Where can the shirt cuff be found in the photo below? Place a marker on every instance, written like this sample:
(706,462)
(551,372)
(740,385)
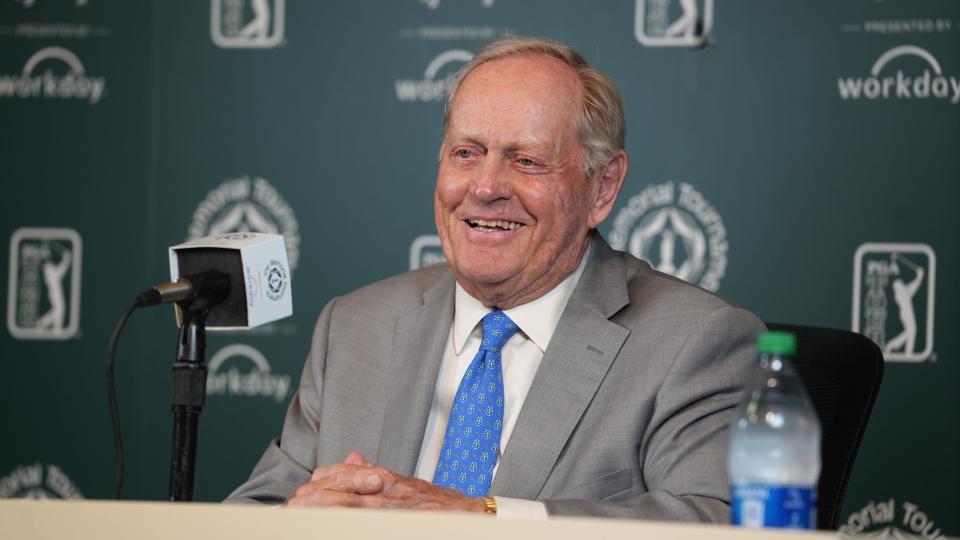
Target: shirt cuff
(508,507)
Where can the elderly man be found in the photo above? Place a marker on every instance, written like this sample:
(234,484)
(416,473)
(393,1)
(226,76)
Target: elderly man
(540,372)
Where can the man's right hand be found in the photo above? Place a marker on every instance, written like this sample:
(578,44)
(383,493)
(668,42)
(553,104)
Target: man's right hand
(357,483)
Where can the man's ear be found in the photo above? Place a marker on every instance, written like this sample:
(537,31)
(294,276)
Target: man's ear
(609,182)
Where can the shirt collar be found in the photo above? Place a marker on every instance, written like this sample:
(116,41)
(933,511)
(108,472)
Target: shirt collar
(537,318)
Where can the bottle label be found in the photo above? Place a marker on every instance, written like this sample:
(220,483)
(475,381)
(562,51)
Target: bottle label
(762,505)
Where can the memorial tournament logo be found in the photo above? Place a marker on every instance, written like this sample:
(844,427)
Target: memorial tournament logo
(251,24)
(680,234)
(930,83)
(238,379)
(426,251)
(38,481)
(880,520)
(242,205)
(430,88)
(275,276)
(69,83)
(893,292)
(673,23)
(43,295)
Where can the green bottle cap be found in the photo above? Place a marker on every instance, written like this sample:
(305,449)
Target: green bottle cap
(777,343)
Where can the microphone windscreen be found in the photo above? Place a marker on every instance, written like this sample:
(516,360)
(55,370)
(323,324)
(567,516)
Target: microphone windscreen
(258,271)
(231,312)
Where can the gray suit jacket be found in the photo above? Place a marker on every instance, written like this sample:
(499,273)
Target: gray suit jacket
(626,416)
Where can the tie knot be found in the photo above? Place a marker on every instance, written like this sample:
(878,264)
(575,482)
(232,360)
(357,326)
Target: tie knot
(497,329)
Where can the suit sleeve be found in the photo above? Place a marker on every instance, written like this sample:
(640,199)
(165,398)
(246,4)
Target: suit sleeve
(682,456)
(289,461)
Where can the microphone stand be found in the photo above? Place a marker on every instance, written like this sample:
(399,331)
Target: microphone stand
(188,393)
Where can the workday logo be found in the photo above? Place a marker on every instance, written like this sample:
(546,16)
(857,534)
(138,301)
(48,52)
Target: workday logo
(880,520)
(430,88)
(426,250)
(680,234)
(673,23)
(53,83)
(231,374)
(931,83)
(242,205)
(252,24)
(893,291)
(43,298)
(38,481)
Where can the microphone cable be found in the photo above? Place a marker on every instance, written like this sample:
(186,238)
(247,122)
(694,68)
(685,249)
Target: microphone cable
(112,399)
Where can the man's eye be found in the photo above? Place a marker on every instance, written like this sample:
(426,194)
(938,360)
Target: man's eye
(526,162)
(463,153)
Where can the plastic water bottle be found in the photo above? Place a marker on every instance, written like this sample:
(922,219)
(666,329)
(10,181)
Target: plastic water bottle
(774,457)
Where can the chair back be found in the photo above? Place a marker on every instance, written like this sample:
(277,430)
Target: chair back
(842,372)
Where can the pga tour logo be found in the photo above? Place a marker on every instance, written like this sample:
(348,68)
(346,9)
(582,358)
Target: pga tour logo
(426,250)
(434,4)
(893,292)
(432,88)
(38,481)
(63,78)
(931,83)
(43,294)
(29,3)
(676,230)
(247,373)
(673,23)
(252,24)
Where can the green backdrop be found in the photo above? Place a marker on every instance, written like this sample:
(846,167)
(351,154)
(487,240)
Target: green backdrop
(798,158)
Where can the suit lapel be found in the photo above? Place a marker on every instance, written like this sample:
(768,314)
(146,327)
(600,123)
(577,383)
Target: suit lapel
(419,342)
(584,345)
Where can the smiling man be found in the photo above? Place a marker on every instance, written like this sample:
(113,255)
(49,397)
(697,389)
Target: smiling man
(539,372)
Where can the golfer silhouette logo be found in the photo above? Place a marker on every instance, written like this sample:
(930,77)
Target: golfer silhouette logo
(903,294)
(247,23)
(673,23)
(894,285)
(53,274)
(44,283)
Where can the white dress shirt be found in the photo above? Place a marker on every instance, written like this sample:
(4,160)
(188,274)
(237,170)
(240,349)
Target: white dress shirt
(520,359)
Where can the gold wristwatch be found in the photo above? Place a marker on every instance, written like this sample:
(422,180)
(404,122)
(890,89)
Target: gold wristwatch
(489,505)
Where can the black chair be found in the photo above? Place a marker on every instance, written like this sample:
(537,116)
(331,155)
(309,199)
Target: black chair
(842,372)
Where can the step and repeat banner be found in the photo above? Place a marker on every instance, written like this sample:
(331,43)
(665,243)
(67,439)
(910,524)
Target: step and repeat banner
(801,160)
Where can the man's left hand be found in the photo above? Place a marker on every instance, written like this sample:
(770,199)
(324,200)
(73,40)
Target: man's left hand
(357,483)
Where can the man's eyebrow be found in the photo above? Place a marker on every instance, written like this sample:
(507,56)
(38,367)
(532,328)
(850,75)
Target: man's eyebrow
(534,146)
(465,138)
(531,144)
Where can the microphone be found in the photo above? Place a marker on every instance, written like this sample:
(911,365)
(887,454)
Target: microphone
(211,286)
(242,280)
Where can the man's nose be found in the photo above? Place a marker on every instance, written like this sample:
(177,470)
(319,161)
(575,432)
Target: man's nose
(493,181)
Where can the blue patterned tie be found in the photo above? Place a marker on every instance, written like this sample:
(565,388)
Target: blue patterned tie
(472,441)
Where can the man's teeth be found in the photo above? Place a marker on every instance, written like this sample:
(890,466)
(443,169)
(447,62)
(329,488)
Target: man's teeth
(500,224)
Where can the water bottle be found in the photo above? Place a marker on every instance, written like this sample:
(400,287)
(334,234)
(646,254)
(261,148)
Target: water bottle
(774,455)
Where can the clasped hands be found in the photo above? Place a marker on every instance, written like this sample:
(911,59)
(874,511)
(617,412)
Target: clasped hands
(358,483)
